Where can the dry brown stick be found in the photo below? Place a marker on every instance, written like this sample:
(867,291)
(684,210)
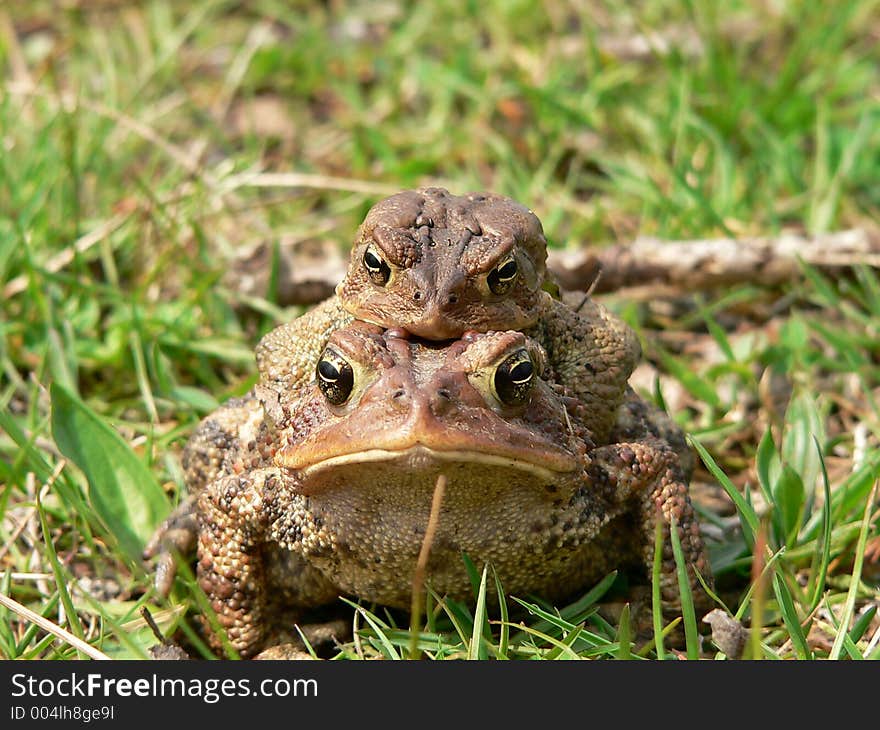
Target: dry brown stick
(51,627)
(710,263)
(418,581)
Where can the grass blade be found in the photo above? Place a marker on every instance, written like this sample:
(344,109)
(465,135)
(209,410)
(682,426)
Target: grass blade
(767,464)
(504,638)
(561,647)
(379,627)
(624,634)
(477,650)
(789,501)
(746,511)
(852,651)
(206,609)
(849,605)
(61,579)
(790,617)
(688,614)
(571,615)
(700,388)
(123,492)
(862,623)
(550,621)
(823,546)
(656,603)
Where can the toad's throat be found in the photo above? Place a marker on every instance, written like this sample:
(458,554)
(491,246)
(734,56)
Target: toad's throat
(419,456)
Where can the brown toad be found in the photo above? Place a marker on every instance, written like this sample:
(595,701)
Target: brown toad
(332,494)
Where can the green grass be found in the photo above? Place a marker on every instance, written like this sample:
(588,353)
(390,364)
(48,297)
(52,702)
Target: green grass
(122,205)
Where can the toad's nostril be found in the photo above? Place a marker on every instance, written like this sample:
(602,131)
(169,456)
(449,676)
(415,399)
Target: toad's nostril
(441,402)
(417,296)
(399,393)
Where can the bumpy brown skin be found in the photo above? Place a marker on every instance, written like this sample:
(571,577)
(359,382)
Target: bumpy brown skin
(217,447)
(336,498)
(640,420)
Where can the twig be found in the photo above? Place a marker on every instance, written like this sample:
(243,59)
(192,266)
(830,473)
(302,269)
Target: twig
(154,627)
(52,628)
(709,263)
(418,581)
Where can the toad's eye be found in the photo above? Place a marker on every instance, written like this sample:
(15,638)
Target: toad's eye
(514,378)
(501,278)
(335,377)
(378,270)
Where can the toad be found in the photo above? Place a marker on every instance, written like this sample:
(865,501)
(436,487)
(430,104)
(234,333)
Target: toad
(436,265)
(331,494)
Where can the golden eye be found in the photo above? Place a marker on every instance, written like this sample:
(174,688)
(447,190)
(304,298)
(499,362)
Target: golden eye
(502,277)
(378,271)
(335,377)
(514,378)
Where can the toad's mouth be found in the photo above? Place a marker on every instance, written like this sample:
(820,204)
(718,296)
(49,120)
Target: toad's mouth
(543,462)
(420,457)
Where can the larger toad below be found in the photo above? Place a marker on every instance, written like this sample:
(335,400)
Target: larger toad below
(333,494)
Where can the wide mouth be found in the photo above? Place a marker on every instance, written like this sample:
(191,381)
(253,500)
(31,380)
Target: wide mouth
(422,457)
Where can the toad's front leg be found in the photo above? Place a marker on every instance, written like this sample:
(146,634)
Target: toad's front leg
(645,479)
(250,565)
(218,447)
(231,570)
